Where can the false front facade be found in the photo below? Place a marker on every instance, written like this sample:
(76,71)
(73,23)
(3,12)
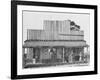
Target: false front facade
(60,42)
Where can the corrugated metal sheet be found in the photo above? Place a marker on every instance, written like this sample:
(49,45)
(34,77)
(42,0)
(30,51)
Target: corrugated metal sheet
(62,27)
(47,35)
(55,30)
(77,32)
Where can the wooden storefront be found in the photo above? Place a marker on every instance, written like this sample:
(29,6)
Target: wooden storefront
(43,54)
(56,43)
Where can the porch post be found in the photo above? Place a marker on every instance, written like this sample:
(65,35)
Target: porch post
(87,48)
(80,59)
(63,54)
(39,54)
(23,56)
(71,57)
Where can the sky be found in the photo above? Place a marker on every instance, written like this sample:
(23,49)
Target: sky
(34,20)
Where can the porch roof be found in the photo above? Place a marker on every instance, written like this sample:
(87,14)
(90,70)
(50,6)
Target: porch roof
(65,43)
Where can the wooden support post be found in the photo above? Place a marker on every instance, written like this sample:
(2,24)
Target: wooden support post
(71,57)
(80,58)
(23,56)
(38,55)
(63,55)
(87,49)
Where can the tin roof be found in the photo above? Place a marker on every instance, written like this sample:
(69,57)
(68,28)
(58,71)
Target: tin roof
(66,43)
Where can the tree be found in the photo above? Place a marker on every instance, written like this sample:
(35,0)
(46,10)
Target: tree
(72,23)
(77,26)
